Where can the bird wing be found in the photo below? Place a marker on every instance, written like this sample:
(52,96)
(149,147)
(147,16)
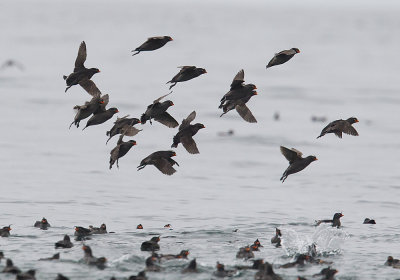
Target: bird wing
(187,67)
(167,120)
(118,120)
(90,87)
(120,139)
(164,166)
(114,152)
(189,144)
(238,80)
(347,128)
(245,113)
(186,122)
(156,38)
(130,130)
(285,52)
(291,155)
(159,99)
(81,58)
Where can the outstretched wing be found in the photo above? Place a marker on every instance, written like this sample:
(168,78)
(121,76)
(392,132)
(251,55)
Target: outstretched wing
(81,58)
(245,113)
(189,144)
(164,166)
(167,120)
(238,80)
(90,87)
(129,130)
(349,129)
(291,155)
(186,122)
(159,99)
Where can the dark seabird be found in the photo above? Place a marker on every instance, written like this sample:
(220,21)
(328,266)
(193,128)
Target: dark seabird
(81,74)
(300,261)
(238,89)
(266,272)
(182,255)
(5,231)
(162,160)
(120,150)
(340,126)
(391,261)
(98,230)
(54,257)
(282,57)
(151,245)
(241,108)
(369,221)
(42,224)
(221,272)
(245,253)
(139,226)
(141,276)
(296,161)
(61,277)
(101,117)
(151,266)
(10,268)
(85,110)
(277,238)
(65,243)
(327,273)
(335,221)
(29,275)
(158,112)
(191,268)
(124,126)
(1,255)
(152,43)
(186,133)
(89,259)
(82,233)
(256,265)
(186,73)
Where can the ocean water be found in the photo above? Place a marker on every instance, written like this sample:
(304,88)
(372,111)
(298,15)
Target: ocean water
(347,67)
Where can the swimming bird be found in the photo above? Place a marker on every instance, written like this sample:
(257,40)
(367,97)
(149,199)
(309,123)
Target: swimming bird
(124,126)
(282,57)
(369,221)
(29,275)
(65,243)
(42,224)
(161,160)
(182,255)
(81,74)
(158,112)
(54,257)
(335,221)
(221,272)
(141,276)
(139,226)
(152,43)
(256,265)
(391,261)
(186,73)
(340,126)
(327,273)
(82,233)
(11,268)
(5,231)
(85,110)
(238,89)
(277,238)
(245,253)
(151,245)
(120,150)
(98,230)
(89,259)
(151,266)
(191,268)
(186,133)
(266,272)
(296,161)
(300,261)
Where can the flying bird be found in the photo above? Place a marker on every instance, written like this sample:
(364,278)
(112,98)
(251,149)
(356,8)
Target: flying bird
(81,74)
(158,112)
(85,110)
(152,43)
(296,161)
(161,160)
(120,150)
(124,126)
(186,73)
(186,133)
(340,126)
(282,57)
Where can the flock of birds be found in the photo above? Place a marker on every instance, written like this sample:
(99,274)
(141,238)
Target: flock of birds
(236,98)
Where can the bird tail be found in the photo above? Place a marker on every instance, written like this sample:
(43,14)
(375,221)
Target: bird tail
(320,136)
(65,77)
(108,140)
(84,127)
(71,124)
(140,167)
(171,86)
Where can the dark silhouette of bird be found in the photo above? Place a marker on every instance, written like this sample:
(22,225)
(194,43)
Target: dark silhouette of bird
(392,261)
(335,220)
(82,233)
(65,243)
(151,265)
(29,275)
(186,73)
(277,238)
(186,133)
(5,231)
(266,272)
(89,259)
(152,43)
(42,224)
(296,161)
(54,257)
(256,265)
(221,272)
(101,115)
(191,268)
(120,150)
(124,126)
(327,273)
(139,226)
(340,126)
(141,276)
(11,268)
(98,230)
(245,253)
(161,160)
(182,255)
(151,245)
(158,112)
(369,221)
(81,74)
(282,57)
(61,277)
(300,261)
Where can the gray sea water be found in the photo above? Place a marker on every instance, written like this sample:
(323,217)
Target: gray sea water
(348,66)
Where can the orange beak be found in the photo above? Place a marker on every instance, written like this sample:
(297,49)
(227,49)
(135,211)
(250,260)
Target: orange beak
(134,143)
(139,122)
(255,93)
(117,111)
(356,121)
(172,104)
(298,51)
(102,102)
